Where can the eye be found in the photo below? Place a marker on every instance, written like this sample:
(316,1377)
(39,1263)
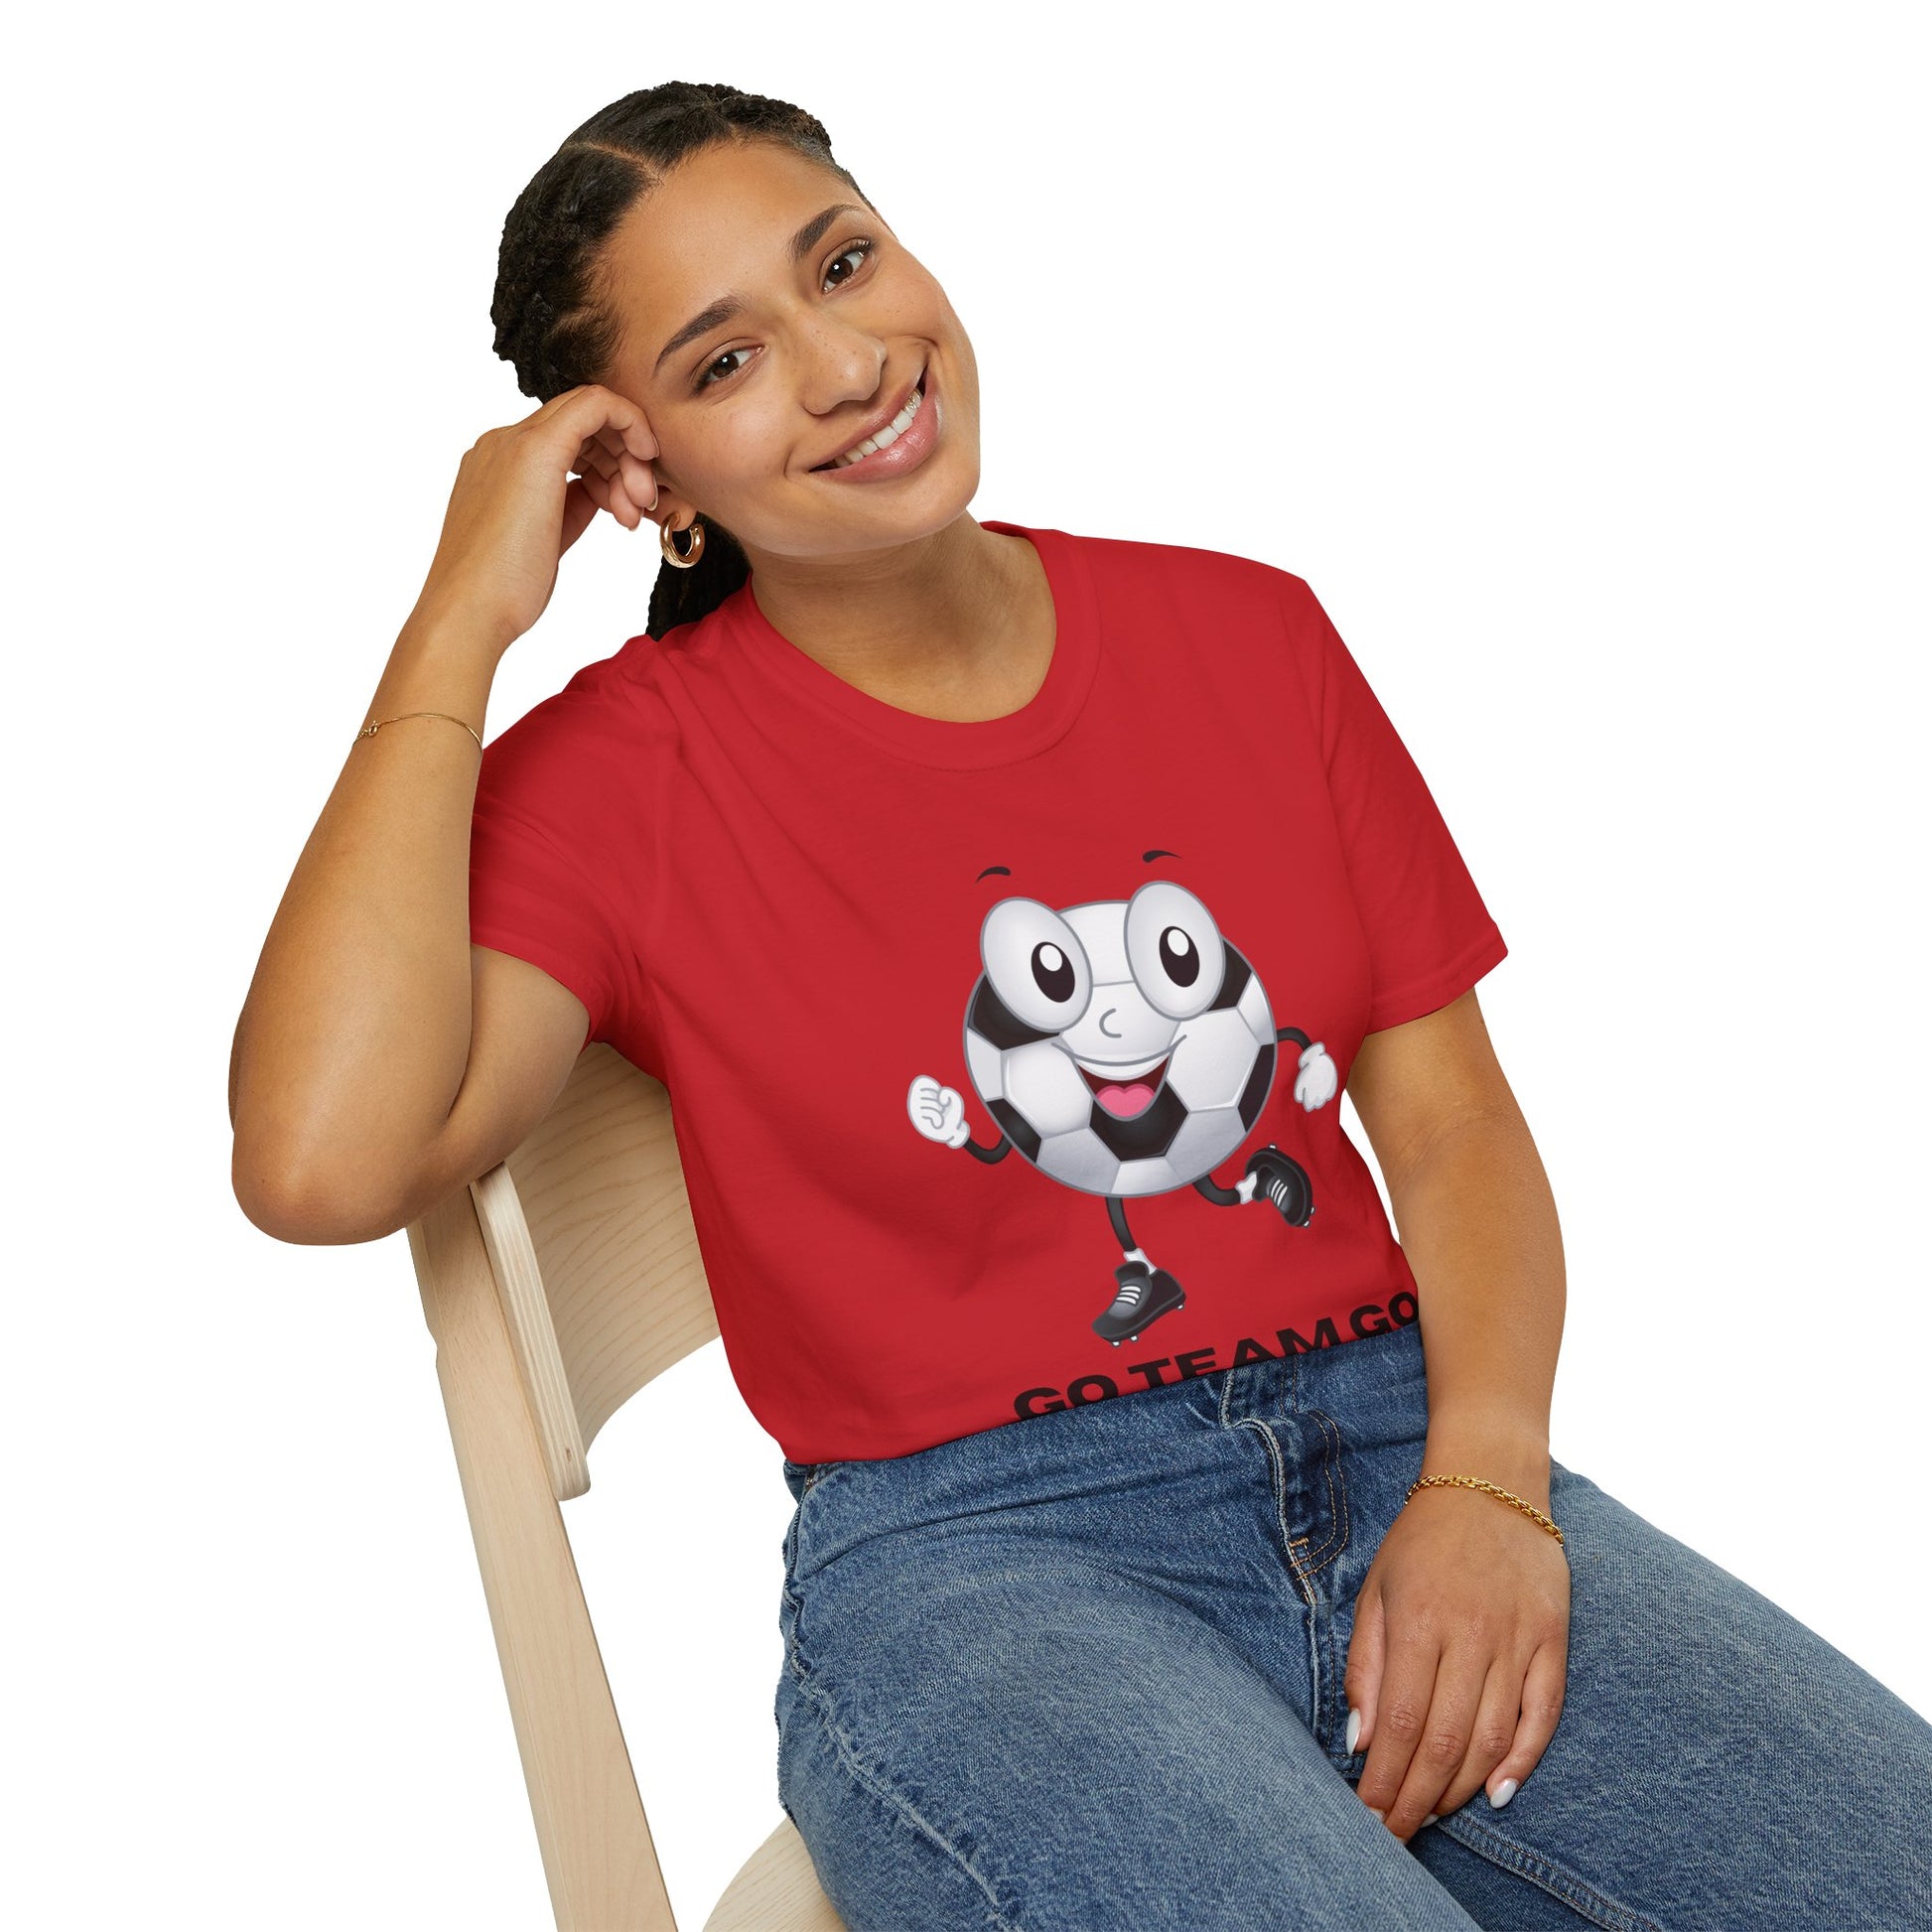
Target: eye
(862,248)
(1036,966)
(722,367)
(710,368)
(1173,949)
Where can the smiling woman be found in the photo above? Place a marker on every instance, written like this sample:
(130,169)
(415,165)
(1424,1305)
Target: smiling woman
(615,268)
(1145,1569)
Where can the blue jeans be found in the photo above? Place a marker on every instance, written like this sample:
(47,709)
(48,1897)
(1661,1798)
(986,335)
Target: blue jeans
(1085,1670)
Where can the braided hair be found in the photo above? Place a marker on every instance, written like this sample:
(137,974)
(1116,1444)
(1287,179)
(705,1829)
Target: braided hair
(552,319)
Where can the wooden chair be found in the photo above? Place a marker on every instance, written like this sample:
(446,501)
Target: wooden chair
(556,1285)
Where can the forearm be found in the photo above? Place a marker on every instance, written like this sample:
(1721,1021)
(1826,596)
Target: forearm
(1478,1224)
(355,1030)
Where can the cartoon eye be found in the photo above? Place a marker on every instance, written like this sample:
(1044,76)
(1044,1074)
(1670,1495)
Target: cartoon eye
(1173,949)
(1036,966)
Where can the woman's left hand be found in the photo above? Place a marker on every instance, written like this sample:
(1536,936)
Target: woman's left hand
(1458,1656)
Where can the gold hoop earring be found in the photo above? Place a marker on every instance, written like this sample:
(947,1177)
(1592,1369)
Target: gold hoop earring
(667,542)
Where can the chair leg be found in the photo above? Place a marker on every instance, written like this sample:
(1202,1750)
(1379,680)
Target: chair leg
(596,1848)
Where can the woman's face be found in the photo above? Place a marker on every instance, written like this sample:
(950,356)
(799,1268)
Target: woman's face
(747,405)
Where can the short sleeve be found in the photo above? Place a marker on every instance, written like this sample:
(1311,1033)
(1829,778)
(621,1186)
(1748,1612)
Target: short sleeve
(533,887)
(1431,937)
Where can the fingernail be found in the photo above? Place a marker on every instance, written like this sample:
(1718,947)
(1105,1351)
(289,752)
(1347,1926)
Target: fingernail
(1354,1731)
(1503,1794)
(1431,1818)
(1378,1816)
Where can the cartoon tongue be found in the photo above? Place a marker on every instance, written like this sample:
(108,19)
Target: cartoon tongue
(1124,1099)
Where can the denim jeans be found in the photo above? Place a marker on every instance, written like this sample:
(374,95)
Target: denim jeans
(1085,1670)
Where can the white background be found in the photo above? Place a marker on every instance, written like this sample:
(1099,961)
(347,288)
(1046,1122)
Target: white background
(1576,359)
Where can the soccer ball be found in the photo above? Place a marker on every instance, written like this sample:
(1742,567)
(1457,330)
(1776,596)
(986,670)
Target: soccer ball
(1123,1047)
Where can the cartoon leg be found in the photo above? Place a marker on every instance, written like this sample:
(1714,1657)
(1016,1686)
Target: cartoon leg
(1271,1176)
(1146,1292)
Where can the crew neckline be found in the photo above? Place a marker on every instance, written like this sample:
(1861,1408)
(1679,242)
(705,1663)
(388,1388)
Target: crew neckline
(957,743)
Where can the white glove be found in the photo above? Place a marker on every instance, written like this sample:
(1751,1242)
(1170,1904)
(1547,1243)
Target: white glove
(1316,1085)
(938,1112)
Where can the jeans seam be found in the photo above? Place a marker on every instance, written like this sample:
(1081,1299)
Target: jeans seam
(1512,1855)
(790,1595)
(1337,1496)
(1321,1638)
(1278,1464)
(792,1663)
(1329,1696)
(1279,1486)
(879,1786)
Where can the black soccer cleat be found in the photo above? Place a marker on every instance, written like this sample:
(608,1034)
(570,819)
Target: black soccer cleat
(1285,1181)
(1146,1295)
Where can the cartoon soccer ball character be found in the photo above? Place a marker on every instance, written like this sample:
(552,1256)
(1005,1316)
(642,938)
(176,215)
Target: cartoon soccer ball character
(1126,1048)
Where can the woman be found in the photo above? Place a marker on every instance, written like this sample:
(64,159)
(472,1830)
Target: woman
(1137,1574)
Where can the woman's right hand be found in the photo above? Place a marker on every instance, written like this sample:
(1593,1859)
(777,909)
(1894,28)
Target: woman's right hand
(523,495)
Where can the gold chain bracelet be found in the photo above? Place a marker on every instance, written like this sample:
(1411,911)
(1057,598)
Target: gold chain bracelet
(1477,1482)
(369,731)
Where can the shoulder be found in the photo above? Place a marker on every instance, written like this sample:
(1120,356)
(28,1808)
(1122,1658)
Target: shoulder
(602,710)
(1254,619)
(1243,610)
(1217,579)
(572,763)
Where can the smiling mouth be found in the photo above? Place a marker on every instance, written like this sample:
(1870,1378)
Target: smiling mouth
(1124,1099)
(892,431)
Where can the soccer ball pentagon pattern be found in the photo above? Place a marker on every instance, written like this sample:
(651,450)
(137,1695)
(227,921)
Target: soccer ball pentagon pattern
(1126,1048)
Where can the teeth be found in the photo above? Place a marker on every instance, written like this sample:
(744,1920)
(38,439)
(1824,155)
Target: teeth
(887,436)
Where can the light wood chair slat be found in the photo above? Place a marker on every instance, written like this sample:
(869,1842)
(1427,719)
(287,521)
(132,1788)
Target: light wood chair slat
(557,1285)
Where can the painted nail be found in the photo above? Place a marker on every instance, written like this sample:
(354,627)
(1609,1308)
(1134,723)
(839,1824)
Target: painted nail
(1354,1731)
(1378,1816)
(1431,1818)
(1503,1794)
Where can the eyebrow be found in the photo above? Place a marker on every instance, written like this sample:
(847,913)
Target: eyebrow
(1147,858)
(730,304)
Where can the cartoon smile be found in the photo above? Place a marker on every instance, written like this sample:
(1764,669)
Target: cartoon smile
(1128,1087)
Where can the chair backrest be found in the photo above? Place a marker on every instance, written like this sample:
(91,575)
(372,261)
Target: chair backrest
(588,1232)
(556,1285)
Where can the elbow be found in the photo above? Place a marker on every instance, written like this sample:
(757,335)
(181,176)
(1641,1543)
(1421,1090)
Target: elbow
(306,1206)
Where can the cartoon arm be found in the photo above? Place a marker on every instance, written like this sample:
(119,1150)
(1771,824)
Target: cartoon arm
(940,1115)
(1315,1084)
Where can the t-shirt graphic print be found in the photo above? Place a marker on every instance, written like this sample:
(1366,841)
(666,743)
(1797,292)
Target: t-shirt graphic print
(1125,1047)
(1006,1057)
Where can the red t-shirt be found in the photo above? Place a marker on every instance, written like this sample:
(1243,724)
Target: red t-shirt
(1004,1056)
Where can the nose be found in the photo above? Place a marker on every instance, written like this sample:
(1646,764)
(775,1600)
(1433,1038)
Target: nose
(1110,1032)
(839,364)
